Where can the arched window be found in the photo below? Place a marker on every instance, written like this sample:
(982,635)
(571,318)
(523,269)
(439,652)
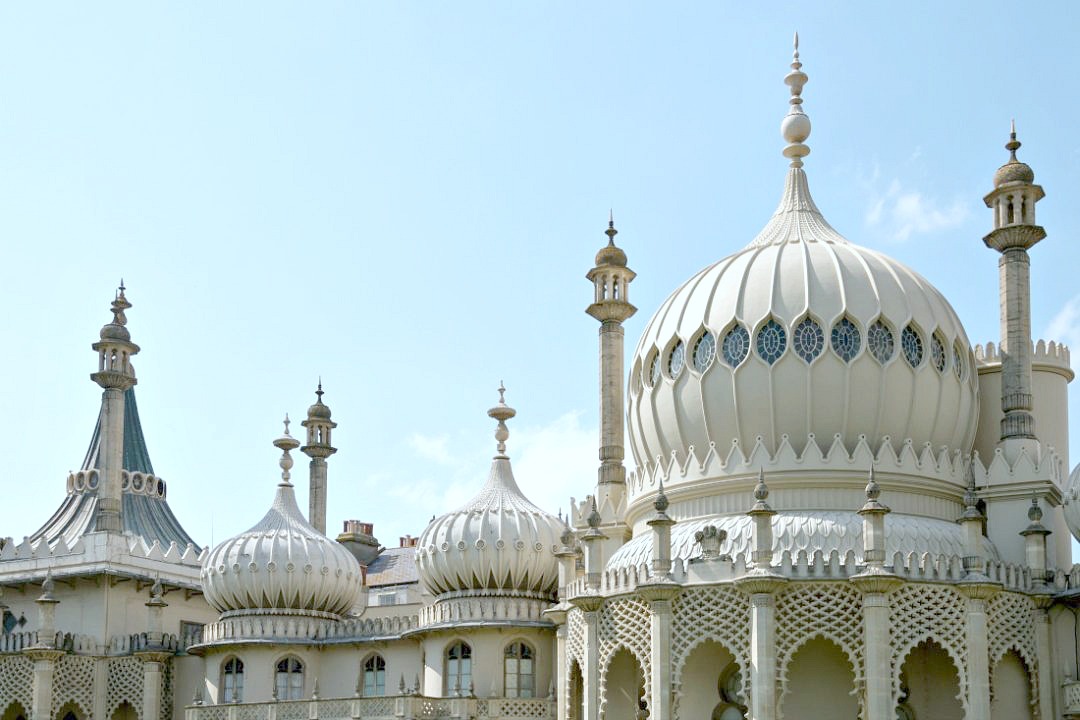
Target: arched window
(289,679)
(519,676)
(374,676)
(232,680)
(458,669)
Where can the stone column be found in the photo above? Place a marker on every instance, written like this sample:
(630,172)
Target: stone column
(590,671)
(317,479)
(1044,653)
(878,702)
(42,691)
(762,587)
(659,595)
(978,594)
(557,615)
(153,669)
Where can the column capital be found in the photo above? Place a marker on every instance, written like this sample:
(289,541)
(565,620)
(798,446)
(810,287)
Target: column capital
(659,592)
(979,589)
(873,581)
(587,603)
(43,653)
(153,656)
(761,582)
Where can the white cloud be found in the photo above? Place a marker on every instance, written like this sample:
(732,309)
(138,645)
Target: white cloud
(1064,327)
(909,212)
(557,461)
(433,447)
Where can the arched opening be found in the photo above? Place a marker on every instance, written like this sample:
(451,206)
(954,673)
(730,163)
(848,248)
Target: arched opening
(519,670)
(232,680)
(576,701)
(289,679)
(821,682)
(624,686)
(930,684)
(458,670)
(374,676)
(1012,689)
(710,685)
(15,711)
(70,711)
(125,711)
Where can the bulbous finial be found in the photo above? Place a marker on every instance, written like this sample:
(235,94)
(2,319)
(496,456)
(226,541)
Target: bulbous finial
(611,232)
(119,305)
(285,443)
(761,494)
(1013,145)
(47,586)
(795,128)
(661,503)
(502,412)
(593,518)
(873,490)
(156,591)
(1035,513)
(971,498)
(1013,170)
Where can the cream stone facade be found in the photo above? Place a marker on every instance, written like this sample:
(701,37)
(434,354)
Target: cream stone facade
(840,507)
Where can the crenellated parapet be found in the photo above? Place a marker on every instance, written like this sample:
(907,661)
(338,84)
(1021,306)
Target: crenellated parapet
(285,628)
(1045,355)
(487,609)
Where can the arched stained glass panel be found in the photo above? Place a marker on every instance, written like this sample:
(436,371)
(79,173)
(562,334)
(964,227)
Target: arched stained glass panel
(808,339)
(846,340)
(771,341)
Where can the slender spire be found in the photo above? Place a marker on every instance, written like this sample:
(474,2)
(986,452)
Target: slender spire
(795,127)
(501,412)
(285,443)
(611,232)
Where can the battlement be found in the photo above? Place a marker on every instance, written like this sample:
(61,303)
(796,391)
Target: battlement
(1052,355)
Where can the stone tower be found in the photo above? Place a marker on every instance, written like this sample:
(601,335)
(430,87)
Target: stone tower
(318,448)
(611,306)
(1013,201)
(115,375)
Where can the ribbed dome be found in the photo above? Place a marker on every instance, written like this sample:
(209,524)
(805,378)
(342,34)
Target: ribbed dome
(281,565)
(496,541)
(1072,502)
(802,333)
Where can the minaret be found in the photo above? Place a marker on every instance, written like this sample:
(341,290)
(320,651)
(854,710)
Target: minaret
(611,280)
(115,375)
(1013,202)
(318,448)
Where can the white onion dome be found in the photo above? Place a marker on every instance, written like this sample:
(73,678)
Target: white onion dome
(1072,502)
(498,542)
(282,565)
(805,336)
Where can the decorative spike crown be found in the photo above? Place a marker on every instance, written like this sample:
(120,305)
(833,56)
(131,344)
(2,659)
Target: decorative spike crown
(285,443)
(502,412)
(795,127)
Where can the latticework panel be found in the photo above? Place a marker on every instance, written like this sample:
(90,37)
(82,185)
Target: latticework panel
(920,612)
(811,610)
(1011,626)
(73,682)
(575,637)
(125,684)
(376,707)
(16,681)
(719,614)
(624,623)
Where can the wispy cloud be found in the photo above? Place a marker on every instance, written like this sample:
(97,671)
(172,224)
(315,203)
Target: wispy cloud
(1065,325)
(432,447)
(905,213)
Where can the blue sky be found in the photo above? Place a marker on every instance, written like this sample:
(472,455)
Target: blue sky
(405,197)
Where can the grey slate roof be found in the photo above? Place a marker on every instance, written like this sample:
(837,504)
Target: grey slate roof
(146,516)
(394,566)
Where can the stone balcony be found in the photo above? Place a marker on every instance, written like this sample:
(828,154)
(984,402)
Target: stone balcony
(400,707)
(1071,699)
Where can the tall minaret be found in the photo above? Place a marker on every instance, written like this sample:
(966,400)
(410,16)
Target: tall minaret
(1013,202)
(318,448)
(115,375)
(611,281)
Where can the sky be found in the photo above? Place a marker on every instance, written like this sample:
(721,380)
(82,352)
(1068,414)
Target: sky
(404,198)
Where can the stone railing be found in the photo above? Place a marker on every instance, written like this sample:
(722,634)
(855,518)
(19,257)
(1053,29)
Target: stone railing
(285,627)
(401,707)
(1071,699)
(491,609)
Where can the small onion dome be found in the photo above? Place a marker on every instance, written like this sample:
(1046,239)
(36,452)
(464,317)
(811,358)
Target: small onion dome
(318,411)
(1014,170)
(611,254)
(497,541)
(116,330)
(282,565)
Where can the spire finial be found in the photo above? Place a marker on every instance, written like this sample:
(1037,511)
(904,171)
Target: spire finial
(502,412)
(611,232)
(795,127)
(285,443)
(119,305)
(1013,145)
(319,391)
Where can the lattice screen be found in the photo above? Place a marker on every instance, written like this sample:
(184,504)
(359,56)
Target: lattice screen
(720,614)
(919,612)
(73,681)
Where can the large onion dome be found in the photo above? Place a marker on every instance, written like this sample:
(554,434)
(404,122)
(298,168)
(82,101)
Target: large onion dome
(805,336)
(497,542)
(282,565)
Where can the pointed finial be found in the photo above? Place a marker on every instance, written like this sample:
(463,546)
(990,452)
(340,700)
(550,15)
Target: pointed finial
(502,412)
(156,589)
(119,305)
(594,518)
(1013,145)
(319,391)
(47,586)
(795,127)
(761,494)
(611,232)
(661,503)
(1035,513)
(285,443)
(873,490)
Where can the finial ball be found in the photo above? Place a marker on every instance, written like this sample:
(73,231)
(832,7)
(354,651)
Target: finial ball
(795,128)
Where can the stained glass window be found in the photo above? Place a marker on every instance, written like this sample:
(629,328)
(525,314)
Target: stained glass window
(771,341)
(736,345)
(879,339)
(957,363)
(912,344)
(704,351)
(846,340)
(808,339)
